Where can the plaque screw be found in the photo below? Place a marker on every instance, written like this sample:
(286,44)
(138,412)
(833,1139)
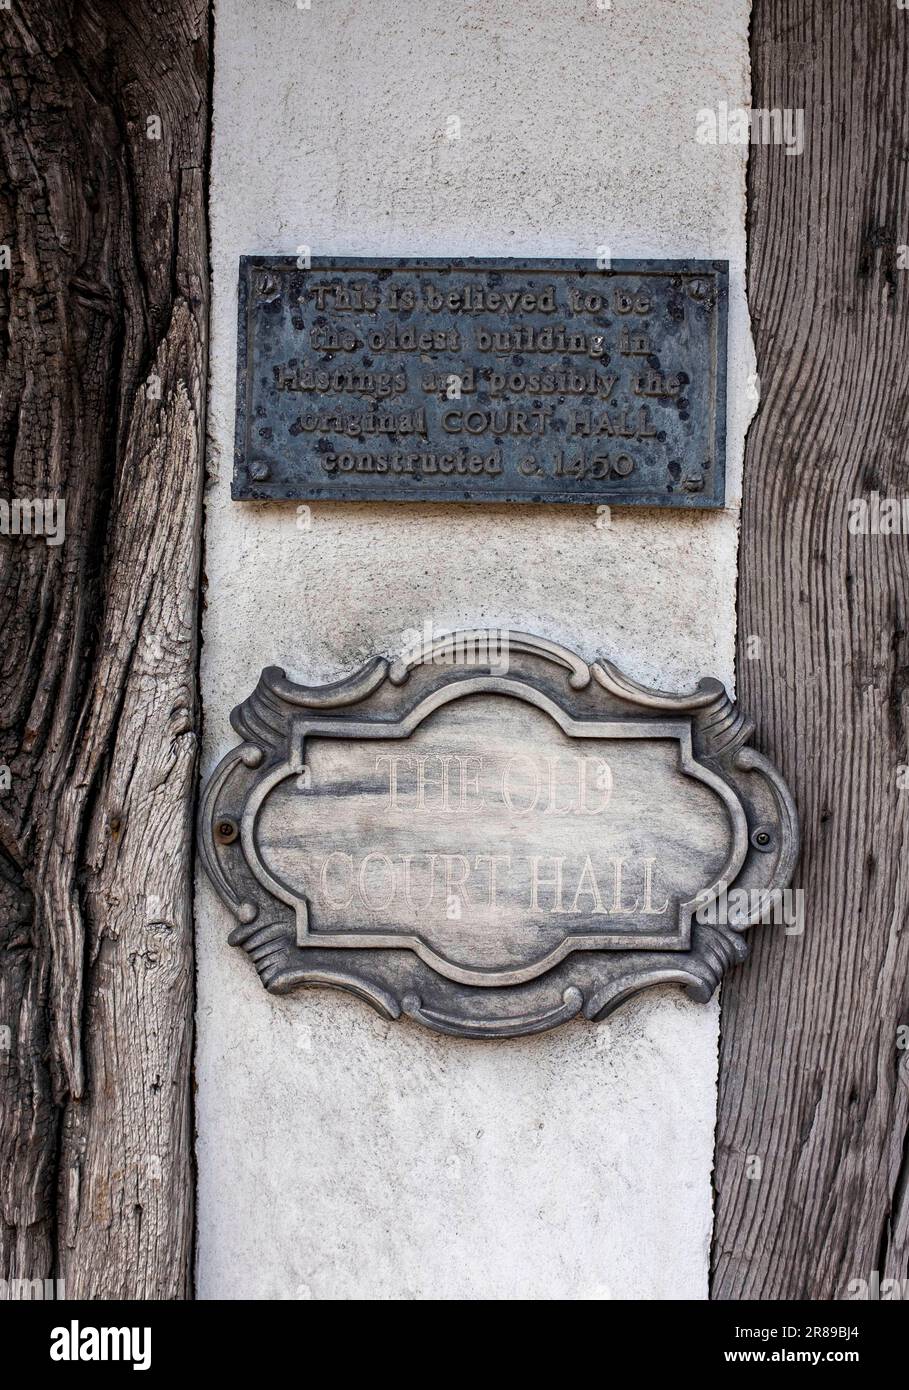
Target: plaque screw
(226,831)
(259,470)
(762,839)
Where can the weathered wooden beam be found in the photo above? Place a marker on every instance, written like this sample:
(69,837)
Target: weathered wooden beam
(811,1078)
(103,332)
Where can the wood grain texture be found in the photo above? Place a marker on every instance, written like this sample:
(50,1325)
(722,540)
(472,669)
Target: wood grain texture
(812,1080)
(103,332)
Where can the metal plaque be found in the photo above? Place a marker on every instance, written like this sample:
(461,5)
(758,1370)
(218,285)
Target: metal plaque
(491,835)
(486,381)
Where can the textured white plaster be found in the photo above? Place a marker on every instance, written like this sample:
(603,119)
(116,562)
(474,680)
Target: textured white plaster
(340,1156)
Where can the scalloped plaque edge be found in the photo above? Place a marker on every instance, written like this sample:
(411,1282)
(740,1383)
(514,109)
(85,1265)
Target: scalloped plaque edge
(591,983)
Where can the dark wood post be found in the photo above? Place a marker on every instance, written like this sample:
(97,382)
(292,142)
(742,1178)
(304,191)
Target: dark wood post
(103,332)
(813,1082)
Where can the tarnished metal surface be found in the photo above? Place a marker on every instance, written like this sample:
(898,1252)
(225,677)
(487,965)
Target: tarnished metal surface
(502,380)
(491,835)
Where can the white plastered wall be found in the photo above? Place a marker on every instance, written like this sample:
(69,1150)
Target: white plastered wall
(341,1156)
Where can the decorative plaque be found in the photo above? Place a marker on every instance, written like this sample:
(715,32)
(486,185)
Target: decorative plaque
(493,836)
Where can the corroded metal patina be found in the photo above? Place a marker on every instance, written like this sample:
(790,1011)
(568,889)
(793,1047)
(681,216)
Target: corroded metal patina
(493,836)
(501,380)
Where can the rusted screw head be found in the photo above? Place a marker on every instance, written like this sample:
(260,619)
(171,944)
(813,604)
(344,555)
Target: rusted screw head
(226,830)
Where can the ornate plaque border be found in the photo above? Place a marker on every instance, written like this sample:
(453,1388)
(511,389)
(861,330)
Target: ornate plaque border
(591,974)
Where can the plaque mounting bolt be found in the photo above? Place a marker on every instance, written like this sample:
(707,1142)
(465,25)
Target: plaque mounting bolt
(226,830)
(259,470)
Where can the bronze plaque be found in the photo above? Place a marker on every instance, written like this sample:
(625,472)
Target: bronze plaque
(485,381)
(492,835)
